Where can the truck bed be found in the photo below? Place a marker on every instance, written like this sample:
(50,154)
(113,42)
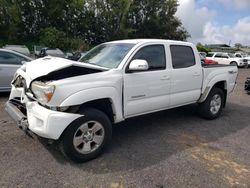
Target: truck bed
(216,65)
(214,73)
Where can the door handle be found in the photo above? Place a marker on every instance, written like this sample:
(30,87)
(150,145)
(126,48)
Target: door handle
(196,74)
(165,78)
(230,72)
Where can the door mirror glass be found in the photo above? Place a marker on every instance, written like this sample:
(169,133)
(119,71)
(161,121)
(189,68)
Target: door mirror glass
(138,65)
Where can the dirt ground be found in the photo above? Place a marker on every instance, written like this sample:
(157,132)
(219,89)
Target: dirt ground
(173,148)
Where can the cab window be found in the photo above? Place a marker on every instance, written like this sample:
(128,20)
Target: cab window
(182,56)
(154,55)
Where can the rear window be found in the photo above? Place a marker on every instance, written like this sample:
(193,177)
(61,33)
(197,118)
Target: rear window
(182,56)
(21,49)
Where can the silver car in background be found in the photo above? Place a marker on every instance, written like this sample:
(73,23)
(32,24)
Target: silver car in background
(10,61)
(19,48)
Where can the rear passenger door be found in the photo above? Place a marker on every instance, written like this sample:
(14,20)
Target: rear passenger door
(186,76)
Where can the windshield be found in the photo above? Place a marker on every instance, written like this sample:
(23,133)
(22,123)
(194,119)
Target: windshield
(107,55)
(210,54)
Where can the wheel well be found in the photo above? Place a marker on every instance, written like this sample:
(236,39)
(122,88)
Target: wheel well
(233,62)
(104,105)
(222,85)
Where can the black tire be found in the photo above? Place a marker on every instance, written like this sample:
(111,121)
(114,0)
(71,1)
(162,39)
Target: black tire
(67,145)
(234,63)
(205,107)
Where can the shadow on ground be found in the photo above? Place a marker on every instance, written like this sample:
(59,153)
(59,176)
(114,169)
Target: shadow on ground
(147,140)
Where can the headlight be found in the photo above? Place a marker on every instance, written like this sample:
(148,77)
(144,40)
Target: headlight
(42,91)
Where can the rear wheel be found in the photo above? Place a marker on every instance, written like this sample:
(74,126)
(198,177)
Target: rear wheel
(211,108)
(87,137)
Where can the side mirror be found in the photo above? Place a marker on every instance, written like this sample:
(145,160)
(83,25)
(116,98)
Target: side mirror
(23,62)
(138,65)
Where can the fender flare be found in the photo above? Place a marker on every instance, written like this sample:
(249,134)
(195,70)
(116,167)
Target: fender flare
(210,85)
(92,94)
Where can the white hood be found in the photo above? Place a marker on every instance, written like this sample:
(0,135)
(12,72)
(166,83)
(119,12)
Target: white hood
(46,65)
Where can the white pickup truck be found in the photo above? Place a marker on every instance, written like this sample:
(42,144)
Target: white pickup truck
(78,102)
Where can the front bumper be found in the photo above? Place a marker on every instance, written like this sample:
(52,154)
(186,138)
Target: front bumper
(40,120)
(243,64)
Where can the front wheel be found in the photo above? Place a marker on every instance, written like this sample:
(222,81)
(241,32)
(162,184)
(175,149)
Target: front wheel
(211,108)
(234,63)
(87,137)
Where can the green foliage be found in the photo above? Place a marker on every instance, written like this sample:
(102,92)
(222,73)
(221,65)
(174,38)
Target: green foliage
(155,19)
(58,39)
(73,24)
(52,37)
(202,48)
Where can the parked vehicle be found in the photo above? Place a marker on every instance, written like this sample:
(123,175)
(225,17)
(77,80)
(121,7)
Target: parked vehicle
(10,61)
(247,85)
(77,102)
(37,50)
(210,62)
(227,59)
(55,52)
(244,56)
(18,48)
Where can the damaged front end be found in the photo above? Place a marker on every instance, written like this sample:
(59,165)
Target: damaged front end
(30,96)
(18,113)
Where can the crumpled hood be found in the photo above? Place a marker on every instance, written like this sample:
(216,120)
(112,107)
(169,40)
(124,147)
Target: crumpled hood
(43,66)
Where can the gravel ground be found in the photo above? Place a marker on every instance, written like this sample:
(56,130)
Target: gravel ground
(173,148)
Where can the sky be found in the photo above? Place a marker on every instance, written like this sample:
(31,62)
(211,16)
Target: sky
(216,21)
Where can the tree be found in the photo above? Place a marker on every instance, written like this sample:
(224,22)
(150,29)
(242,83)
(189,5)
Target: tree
(54,38)
(202,48)
(91,21)
(155,19)
(10,20)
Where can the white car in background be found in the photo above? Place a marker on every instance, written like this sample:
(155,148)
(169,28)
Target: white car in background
(244,56)
(227,59)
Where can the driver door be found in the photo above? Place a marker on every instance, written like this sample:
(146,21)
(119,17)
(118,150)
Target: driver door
(147,91)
